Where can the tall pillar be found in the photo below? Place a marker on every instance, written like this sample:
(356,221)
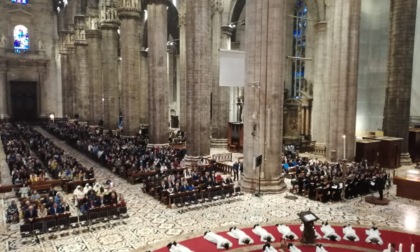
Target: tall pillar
(3,90)
(320,112)
(182,66)
(111,94)
(93,38)
(220,95)
(263,117)
(343,79)
(71,74)
(198,85)
(64,74)
(400,71)
(157,32)
(81,87)
(129,14)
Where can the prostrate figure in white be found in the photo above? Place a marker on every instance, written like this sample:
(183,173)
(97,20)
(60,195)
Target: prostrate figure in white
(374,236)
(240,235)
(293,248)
(391,248)
(329,232)
(268,248)
(350,234)
(221,242)
(263,234)
(286,232)
(318,236)
(320,248)
(176,247)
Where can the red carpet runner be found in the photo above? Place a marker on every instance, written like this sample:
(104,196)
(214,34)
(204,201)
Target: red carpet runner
(199,244)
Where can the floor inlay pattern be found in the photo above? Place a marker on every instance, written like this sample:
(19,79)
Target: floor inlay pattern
(152,224)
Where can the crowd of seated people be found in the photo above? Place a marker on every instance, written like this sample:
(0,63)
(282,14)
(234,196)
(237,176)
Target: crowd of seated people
(324,181)
(89,197)
(123,155)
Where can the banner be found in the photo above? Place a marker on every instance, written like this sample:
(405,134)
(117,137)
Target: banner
(232,68)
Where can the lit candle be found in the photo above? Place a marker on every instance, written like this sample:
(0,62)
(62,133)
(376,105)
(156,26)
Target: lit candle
(389,246)
(400,249)
(344,146)
(412,248)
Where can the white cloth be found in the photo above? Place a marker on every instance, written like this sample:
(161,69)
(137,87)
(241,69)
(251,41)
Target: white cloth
(269,248)
(374,234)
(262,233)
(320,249)
(293,248)
(348,231)
(285,231)
(318,236)
(240,235)
(329,231)
(179,248)
(218,239)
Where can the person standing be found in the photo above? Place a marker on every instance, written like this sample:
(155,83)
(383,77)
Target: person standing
(236,171)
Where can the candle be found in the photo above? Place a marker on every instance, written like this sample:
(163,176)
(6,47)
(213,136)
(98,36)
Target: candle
(400,249)
(412,248)
(389,246)
(344,146)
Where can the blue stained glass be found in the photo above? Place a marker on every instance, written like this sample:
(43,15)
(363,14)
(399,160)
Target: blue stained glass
(20,1)
(21,38)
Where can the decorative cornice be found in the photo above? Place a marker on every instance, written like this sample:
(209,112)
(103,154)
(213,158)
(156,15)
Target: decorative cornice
(165,2)
(110,25)
(93,34)
(128,9)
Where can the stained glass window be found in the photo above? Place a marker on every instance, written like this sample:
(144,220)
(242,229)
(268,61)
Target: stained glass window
(299,44)
(20,1)
(21,38)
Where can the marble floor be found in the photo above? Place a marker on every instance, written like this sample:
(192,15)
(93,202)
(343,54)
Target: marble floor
(151,225)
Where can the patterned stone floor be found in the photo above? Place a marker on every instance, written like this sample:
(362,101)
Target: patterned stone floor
(151,224)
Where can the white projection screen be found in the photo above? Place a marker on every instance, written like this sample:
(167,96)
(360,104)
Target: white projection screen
(232,68)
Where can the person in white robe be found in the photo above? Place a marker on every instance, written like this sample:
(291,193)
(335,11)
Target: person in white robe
(86,189)
(78,194)
(317,235)
(221,242)
(329,232)
(320,248)
(269,248)
(293,248)
(374,236)
(263,234)
(240,235)
(176,247)
(350,234)
(286,232)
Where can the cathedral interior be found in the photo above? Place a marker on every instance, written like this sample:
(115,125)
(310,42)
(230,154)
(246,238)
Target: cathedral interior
(281,87)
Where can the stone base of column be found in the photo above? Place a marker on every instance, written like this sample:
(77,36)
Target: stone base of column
(150,146)
(320,149)
(218,143)
(406,159)
(4,116)
(274,185)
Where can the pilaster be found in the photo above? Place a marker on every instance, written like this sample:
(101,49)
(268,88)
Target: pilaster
(182,66)
(3,90)
(158,82)
(129,14)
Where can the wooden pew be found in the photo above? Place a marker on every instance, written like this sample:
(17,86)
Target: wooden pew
(69,186)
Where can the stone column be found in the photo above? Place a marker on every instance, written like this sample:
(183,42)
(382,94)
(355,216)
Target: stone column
(157,32)
(129,14)
(182,66)
(71,74)
(263,117)
(93,38)
(64,74)
(320,109)
(81,87)
(198,85)
(343,79)
(220,95)
(400,71)
(3,90)
(111,94)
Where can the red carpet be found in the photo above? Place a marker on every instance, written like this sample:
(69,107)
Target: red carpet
(199,244)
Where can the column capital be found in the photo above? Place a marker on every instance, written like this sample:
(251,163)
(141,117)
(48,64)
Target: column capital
(321,26)
(128,9)
(181,14)
(92,34)
(108,14)
(227,30)
(216,6)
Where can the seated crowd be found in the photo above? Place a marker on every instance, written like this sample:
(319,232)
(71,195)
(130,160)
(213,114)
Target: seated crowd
(325,181)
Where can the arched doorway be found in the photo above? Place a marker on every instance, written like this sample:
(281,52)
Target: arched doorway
(23,96)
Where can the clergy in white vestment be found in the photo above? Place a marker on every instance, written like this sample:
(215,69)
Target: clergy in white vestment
(262,233)
(268,248)
(317,235)
(350,234)
(220,241)
(240,235)
(176,247)
(86,189)
(293,248)
(286,232)
(329,232)
(374,236)
(320,248)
